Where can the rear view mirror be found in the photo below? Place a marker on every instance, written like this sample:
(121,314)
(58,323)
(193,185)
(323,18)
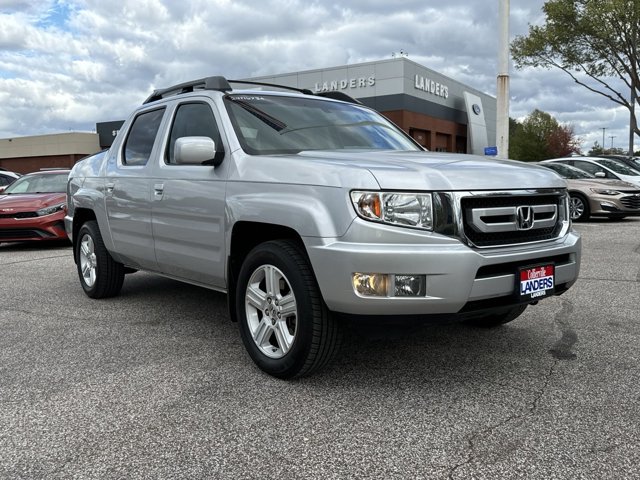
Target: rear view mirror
(196,151)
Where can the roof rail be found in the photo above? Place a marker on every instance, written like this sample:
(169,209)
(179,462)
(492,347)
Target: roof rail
(330,94)
(207,83)
(222,84)
(306,91)
(339,96)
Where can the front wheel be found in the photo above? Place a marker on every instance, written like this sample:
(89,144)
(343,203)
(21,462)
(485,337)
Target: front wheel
(578,208)
(283,321)
(100,275)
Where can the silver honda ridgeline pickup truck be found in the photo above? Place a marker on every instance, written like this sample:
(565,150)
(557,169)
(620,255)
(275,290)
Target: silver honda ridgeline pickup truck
(305,210)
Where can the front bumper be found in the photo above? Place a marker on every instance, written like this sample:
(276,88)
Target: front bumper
(48,227)
(605,205)
(459,278)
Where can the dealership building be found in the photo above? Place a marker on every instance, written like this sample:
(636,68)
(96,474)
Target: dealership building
(440,113)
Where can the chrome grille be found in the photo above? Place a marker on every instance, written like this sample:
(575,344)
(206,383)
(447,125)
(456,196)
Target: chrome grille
(499,220)
(631,201)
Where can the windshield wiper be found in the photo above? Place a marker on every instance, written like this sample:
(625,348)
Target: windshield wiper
(273,122)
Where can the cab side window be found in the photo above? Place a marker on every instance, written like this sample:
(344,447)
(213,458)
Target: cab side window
(194,120)
(591,168)
(142,135)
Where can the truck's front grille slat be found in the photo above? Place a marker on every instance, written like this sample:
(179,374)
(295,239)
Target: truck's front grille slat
(491,221)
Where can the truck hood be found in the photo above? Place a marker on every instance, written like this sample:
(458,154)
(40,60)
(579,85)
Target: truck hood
(440,171)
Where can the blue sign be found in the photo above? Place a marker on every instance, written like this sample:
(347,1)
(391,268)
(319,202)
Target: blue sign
(491,151)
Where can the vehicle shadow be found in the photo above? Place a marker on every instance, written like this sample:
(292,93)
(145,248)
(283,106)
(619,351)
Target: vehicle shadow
(420,351)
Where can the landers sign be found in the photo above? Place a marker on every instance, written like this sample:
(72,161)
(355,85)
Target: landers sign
(429,86)
(345,83)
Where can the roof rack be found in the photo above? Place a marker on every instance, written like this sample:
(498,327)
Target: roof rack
(207,83)
(223,85)
(306,91)
(339,96)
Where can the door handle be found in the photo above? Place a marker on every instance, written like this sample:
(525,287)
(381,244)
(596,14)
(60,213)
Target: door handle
(109,188)
(158,189)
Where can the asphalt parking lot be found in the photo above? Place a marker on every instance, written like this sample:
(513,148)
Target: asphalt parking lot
(156,384)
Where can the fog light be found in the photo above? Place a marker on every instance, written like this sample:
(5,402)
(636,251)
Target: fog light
(370,284)
(410,286)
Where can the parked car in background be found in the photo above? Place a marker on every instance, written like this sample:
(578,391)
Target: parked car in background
(7,178)
(591,196)
(33,207)
(633,162)
(602,168)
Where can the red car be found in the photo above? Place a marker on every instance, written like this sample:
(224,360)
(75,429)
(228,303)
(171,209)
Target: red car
(33,207)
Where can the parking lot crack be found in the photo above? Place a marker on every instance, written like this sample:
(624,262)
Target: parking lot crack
(515,419)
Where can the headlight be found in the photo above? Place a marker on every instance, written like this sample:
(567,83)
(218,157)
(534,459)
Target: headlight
(404,209)
(605,191)
(50,210)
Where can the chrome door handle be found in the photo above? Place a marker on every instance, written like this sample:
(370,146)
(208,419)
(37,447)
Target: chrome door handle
(109,187)
(158,189)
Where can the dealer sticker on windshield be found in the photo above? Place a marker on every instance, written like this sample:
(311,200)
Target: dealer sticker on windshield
(536,282)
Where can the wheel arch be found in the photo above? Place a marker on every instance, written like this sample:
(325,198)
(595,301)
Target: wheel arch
(245,236)
(80,217)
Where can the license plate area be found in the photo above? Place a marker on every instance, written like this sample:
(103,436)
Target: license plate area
(535,282)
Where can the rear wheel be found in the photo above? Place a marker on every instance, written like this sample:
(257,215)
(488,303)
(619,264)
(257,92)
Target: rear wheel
(100,275)
(497,319)
(578,208)
(283,321)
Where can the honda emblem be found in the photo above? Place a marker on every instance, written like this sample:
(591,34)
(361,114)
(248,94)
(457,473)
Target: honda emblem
(525,217)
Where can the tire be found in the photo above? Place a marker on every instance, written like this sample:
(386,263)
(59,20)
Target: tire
(100,275)
(284,324)
(578,208)
(497,319)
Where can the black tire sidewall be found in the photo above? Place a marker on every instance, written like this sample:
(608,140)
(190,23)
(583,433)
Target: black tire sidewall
(271,253)
(87,229)
(109,273)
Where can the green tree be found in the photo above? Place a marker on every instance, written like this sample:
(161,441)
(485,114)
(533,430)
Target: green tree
(596,149)
(595,42)
(540,137)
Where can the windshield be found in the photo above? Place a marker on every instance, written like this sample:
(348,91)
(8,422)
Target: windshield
(270,124)
(39,183)
(618,167)
(567,171)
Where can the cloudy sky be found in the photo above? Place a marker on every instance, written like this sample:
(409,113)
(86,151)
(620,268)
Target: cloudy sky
(65,65)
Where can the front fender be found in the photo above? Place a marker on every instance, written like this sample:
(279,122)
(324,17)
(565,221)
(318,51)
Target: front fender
(312,211)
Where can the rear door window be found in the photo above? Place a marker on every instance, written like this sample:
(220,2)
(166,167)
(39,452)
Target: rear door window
(142,135)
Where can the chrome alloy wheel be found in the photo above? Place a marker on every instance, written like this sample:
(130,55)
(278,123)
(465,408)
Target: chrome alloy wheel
(576,208)
(272,312)
(88,261)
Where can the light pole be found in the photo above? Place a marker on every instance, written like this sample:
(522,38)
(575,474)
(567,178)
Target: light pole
(603,130)
(611,137)
(502,94)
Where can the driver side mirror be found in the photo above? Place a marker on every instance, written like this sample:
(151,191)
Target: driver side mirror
(600,175)
(196,151)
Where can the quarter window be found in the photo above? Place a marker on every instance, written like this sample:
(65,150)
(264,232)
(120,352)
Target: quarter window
(139,143)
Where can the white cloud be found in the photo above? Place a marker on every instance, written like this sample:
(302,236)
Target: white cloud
(66,65)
